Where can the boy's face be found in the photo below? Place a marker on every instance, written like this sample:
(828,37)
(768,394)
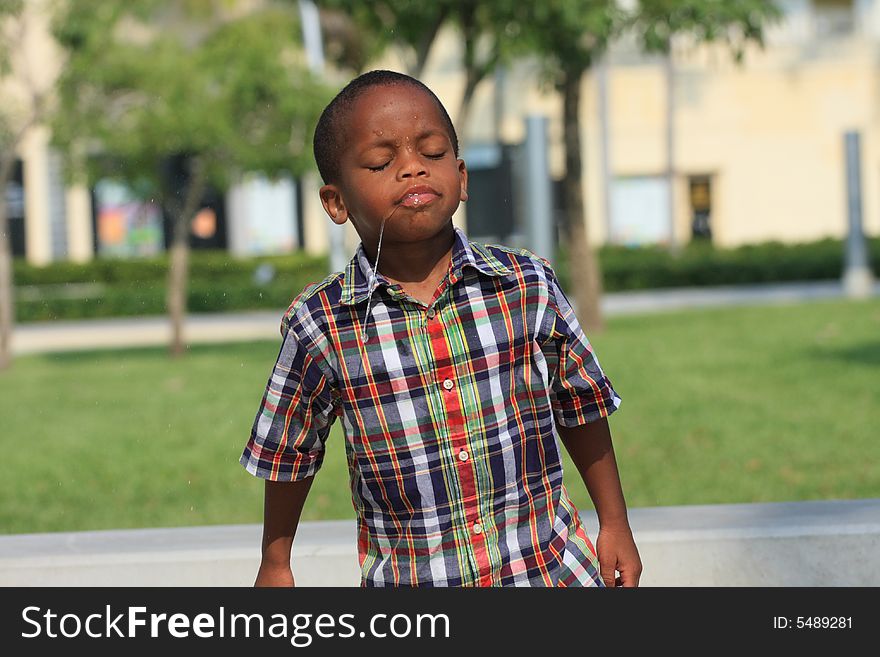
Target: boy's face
(398,164)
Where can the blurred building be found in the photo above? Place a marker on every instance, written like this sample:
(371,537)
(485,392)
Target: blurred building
(757,151)
(758,148)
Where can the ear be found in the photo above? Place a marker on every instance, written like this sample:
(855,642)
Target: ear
(463,176)
(334,205)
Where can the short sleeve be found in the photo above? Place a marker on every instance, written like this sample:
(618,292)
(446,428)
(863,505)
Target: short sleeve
(580,392)
(293,422)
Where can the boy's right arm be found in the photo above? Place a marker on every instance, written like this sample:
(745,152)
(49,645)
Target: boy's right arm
(282,505)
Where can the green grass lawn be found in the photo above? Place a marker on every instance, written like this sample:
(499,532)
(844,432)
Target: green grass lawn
(726,405)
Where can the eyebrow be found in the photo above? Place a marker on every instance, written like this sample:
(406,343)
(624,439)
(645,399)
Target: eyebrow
(392,143)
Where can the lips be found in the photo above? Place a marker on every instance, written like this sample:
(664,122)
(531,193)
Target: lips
(417,196)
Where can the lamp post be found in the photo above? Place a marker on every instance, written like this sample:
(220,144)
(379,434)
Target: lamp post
(858,280)
(539,191)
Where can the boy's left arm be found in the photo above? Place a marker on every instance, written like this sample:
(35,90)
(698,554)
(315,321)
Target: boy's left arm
(589,446)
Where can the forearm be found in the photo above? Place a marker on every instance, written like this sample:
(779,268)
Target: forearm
(590,448)
(282,506)
(592,452)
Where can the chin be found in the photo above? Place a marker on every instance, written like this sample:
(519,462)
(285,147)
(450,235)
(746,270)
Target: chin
(410,230)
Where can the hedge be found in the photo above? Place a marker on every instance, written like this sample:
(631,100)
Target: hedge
(700,264)
(108,287)
(204,265)
(114,287)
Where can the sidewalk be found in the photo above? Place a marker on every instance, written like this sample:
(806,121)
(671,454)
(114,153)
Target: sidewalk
(38,337)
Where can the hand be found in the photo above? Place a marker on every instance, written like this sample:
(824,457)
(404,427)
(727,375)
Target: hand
(617,552)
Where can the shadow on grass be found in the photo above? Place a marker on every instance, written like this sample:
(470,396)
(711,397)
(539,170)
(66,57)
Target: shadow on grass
(867,353)
(156,351)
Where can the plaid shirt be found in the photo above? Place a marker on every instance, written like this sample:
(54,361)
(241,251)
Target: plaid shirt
(448,411)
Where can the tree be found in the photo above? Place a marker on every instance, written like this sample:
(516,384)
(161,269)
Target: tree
(171,97)
(488,31)
(25,105)
(569,37)
(736,23)
(358,31)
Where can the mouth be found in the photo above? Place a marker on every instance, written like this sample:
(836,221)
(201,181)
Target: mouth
(418,196)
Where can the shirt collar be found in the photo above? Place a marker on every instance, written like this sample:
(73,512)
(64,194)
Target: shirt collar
(359,271)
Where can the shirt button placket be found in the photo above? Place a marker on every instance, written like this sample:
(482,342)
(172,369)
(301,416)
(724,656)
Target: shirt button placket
(445,378)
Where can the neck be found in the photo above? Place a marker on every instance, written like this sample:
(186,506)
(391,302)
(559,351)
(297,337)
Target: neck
(415,262)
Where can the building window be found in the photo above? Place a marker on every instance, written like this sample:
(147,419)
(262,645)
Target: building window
(15,209)
(833,17)
(700,194)
(125,225)
(640,211)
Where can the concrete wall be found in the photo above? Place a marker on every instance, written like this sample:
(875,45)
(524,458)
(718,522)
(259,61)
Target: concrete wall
(823,543)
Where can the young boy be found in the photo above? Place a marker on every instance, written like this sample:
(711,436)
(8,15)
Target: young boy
(454,366)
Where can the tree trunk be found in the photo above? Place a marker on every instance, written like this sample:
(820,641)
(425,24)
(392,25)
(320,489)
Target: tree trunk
(178,274)
(470,33)
(423,48)
(7,289)
(583,260)
(473,79)
(177,286)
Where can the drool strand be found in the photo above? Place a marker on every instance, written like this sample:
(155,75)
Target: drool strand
(373,276)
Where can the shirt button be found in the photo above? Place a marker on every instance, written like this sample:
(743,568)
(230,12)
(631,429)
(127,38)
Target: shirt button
(462,455)
(478,528)
(447,383)
(431,312)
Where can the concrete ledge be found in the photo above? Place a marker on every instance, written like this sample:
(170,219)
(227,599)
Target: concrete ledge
(823,543)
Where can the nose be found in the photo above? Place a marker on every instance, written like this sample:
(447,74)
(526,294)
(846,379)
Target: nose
(411,165)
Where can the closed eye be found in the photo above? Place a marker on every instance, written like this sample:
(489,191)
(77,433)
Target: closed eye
(435,156)
(380,167)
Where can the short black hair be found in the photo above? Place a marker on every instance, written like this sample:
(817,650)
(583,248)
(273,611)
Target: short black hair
(328,139)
